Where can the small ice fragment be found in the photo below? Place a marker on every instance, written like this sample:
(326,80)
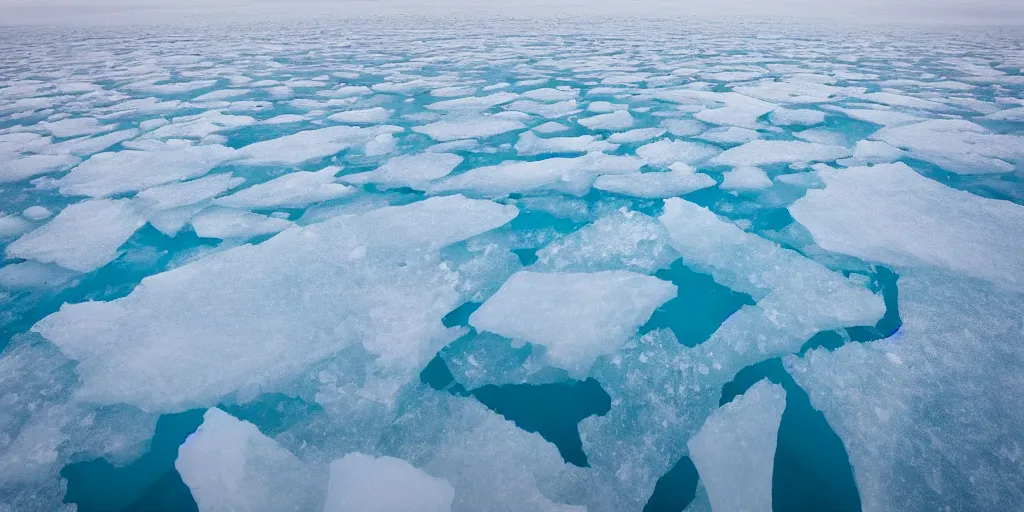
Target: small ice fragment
(36,212)
(293,190)
(745,178)
(363,483)
(618,120)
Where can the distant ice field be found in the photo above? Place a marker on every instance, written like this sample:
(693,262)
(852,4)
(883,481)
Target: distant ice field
(444,265)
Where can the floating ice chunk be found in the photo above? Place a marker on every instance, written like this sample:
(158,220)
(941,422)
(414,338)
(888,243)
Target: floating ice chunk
(1010,114)
(474,102)
(20,168)
(930,417)
(253,317)
(345,91)
(530,144)
(799,117)
(106,174)
(604,106)
(876,116)
(624,240)
(767,152)
(173,195)
(36,212)
(618,120)
(380,145)
(550,127)
(822,136)
(481,127)
(413,171)
(200,125)
(683,127)
(74,127)
(876,152)
(901,100)
(363,116)
(730,135)
(293,190)
(739,110)
(797,91)
(455,145)
(85,146)
(308,145)
(441,434)
(665,152)
(577,316)
(796,297)
(680,180)
(745,178)
(569,175)
(363,483)
(11,225)
(890,214)
(734,452)
(226,223)
(229,465)
(548,94)
(83,237)
(561,207)
(31,274)
(637,135)
(545,110)
(452,92)
(152,124)
(956,145)
(222,94)
(285,119)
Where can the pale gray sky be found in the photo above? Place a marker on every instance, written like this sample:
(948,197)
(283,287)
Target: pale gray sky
(1001,12)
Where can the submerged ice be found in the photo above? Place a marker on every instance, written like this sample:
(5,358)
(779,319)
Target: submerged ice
(479,266)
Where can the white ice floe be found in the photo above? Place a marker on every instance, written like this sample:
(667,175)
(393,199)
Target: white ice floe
(474,102)
(636,135)
(681,179)
(623,240)
(413,171)
(576,316)
(173,195)
(474,128)
(363,482)
(734,452)
(617,120)
(530,144)
(84,236)
(890,214)
(798,117)
(36,212)
(545,110)
(224,223)
(363,116)
(308,145)
(767,152)
(229,465)
(745,178)
(29,166)
(567,175)
(665,152)
(106,174)
(956,145)
(930,416)
(293,190)
(254,317)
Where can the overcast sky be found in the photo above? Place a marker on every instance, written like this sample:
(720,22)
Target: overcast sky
(1002,12)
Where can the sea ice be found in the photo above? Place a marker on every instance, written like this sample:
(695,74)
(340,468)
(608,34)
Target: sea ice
(767,152)
(174,195)
(107,174)
(623,240)
(36,212)
(890,214)
(28,166)
(413,171)
(481,127)
(617,120)
(568,175)
(745,178)
(308,145)
(665,152)
(930,416)
(293,190)
(680,180)
(83,237)
(636,135)
(531,145)
(274,309)
(363,116)
(956,145)
(576,316)
(363,483)
(799,117)
(223,223)
(734,452)
(229,466)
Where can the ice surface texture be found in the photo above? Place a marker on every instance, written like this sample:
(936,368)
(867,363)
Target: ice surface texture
(339,241)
